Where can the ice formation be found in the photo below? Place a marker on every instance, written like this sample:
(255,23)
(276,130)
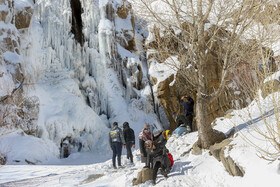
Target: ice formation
(86,75)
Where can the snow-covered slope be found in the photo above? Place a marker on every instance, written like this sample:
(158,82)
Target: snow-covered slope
(188,170)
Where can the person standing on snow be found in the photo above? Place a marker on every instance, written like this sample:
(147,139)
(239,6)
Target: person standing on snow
(116,140)
(188,103)
(144,135)
(129,138)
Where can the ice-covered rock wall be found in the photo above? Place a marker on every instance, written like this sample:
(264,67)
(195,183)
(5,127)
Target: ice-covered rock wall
(85,62)
(95,52)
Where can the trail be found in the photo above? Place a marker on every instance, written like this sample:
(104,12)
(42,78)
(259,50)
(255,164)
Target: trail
(99,174)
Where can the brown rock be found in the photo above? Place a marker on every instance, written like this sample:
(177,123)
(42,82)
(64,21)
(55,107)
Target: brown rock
(196,150)
(231,167)
(3,15)
(23,18)
(126,38)
(124,10)
(144,175)
(216,149)
(270,87)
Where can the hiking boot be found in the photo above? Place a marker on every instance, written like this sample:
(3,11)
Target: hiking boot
(132,164)
(114,167)
(120,167)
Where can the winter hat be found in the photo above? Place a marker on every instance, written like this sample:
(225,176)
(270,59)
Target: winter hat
(115,124)
(166,133)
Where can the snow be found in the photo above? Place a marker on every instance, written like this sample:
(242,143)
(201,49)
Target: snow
(63,113)
(19,147)
(21,4)
(162,71)
(11,57)
(274,76)
(81,94)
(188,170)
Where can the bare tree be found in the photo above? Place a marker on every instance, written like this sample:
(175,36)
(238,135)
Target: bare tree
(199,32)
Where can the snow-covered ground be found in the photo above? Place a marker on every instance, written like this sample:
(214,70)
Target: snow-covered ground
(86,169)
(65,112)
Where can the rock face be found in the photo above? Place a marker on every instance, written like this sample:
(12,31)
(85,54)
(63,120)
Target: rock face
(28,113)
(244,74)
(126,36)
(10,64)
(144,175)
(15,107)
(218,151)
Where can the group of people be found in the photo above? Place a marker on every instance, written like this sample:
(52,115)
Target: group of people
(119,139)
(153,151)
(152,146)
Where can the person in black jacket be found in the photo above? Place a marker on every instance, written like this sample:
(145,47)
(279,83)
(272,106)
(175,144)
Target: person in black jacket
(129,138)
(188,103)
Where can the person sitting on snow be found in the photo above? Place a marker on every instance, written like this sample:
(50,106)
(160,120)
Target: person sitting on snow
(181,121)
(157,158)
(156,154)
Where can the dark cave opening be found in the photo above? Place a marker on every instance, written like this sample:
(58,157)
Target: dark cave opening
(77,24)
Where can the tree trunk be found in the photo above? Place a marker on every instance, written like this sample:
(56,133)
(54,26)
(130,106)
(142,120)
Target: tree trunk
(207,135)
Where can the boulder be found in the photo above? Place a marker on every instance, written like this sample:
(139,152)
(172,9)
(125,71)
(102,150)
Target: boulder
(218,151)
(232,168)
(144,175)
